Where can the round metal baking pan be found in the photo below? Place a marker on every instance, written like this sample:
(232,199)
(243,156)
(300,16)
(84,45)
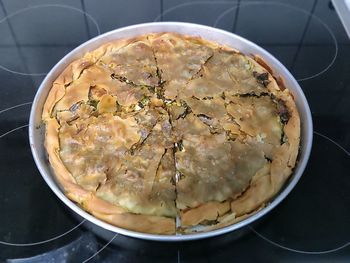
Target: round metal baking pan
(36,129)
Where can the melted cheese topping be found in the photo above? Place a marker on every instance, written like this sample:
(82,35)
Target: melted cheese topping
(143,130)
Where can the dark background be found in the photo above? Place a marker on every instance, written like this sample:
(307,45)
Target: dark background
(311,225)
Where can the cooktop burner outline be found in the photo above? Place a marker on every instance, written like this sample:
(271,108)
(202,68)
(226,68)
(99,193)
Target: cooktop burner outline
(320,252)
(43,241)
(16,106)
(101,249)
(334,142)
(18,12)
(332,250)
(49,239)
(319,20)
(13,130)
(164,12)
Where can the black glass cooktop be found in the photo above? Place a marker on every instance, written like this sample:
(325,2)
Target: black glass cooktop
(311,225)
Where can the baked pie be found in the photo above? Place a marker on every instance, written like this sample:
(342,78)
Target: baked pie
(167,133)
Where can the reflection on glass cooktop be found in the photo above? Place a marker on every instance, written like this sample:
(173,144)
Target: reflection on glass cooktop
(312,224)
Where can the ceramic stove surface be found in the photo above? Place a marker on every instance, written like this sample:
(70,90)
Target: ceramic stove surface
(310,225)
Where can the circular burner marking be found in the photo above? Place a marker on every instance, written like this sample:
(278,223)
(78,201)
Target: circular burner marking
(5,201)
(283,237)
(38,7)
(270,3)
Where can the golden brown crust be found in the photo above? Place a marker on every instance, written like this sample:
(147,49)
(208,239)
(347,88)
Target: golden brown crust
(208,211)
(262,63)
(179,59)
(283,160)
(72,72)
(223,221)
(140,223)
(98,207)
(191,123)
(56,93)
(116,215)
(52,146)
(134,62)
(234,164)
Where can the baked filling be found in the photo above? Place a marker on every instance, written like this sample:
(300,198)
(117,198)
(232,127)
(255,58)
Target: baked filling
(167,133)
